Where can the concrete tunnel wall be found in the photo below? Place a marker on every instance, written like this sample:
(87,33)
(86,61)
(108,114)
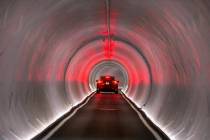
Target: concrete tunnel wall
(51,53)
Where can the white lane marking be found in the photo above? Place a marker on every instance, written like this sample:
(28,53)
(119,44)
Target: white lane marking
(142,119)
(66,119)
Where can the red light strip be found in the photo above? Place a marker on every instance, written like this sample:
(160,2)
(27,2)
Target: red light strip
(108,38)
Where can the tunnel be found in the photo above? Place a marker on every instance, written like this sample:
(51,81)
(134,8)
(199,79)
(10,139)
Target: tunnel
(52,52)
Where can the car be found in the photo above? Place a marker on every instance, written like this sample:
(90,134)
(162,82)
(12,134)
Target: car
(107,84)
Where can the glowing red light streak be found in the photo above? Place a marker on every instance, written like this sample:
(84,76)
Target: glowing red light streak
(108,49)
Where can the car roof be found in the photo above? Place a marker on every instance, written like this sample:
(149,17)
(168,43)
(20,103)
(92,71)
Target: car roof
(104,77)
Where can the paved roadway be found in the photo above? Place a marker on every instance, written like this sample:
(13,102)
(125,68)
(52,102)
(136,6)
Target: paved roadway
(105,117)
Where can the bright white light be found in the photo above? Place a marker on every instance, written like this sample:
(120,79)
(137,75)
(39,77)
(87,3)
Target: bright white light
(45,126)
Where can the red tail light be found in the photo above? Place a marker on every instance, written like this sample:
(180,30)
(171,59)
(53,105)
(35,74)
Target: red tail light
(99,81)
(107,77)
(115,82)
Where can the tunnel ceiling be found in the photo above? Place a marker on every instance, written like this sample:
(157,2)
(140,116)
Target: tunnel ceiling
(51,53)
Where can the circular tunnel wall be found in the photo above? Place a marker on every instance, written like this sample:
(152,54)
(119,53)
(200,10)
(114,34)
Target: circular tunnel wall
(109,67)
(51,53)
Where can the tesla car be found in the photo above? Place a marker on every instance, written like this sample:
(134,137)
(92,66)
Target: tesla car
(107,84)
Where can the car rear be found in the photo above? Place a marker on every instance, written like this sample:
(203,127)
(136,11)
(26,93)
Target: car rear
(107,84)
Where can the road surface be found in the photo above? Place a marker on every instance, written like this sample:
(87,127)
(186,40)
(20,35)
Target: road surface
(105,117)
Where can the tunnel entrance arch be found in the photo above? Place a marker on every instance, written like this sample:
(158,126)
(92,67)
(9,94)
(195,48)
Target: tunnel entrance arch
(110,67)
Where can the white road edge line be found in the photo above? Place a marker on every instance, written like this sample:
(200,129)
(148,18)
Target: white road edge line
(66,119)
(157,136)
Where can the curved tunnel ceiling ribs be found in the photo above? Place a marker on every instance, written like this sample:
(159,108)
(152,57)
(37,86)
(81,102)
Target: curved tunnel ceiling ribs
(51,53)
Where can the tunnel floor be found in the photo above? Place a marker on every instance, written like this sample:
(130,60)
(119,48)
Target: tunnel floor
(105,116)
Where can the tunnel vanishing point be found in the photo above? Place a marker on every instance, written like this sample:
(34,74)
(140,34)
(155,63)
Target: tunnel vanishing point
(52,51)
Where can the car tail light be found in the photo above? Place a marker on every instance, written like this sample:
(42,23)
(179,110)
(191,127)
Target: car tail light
(107,77)
(115,82)
(99,81)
